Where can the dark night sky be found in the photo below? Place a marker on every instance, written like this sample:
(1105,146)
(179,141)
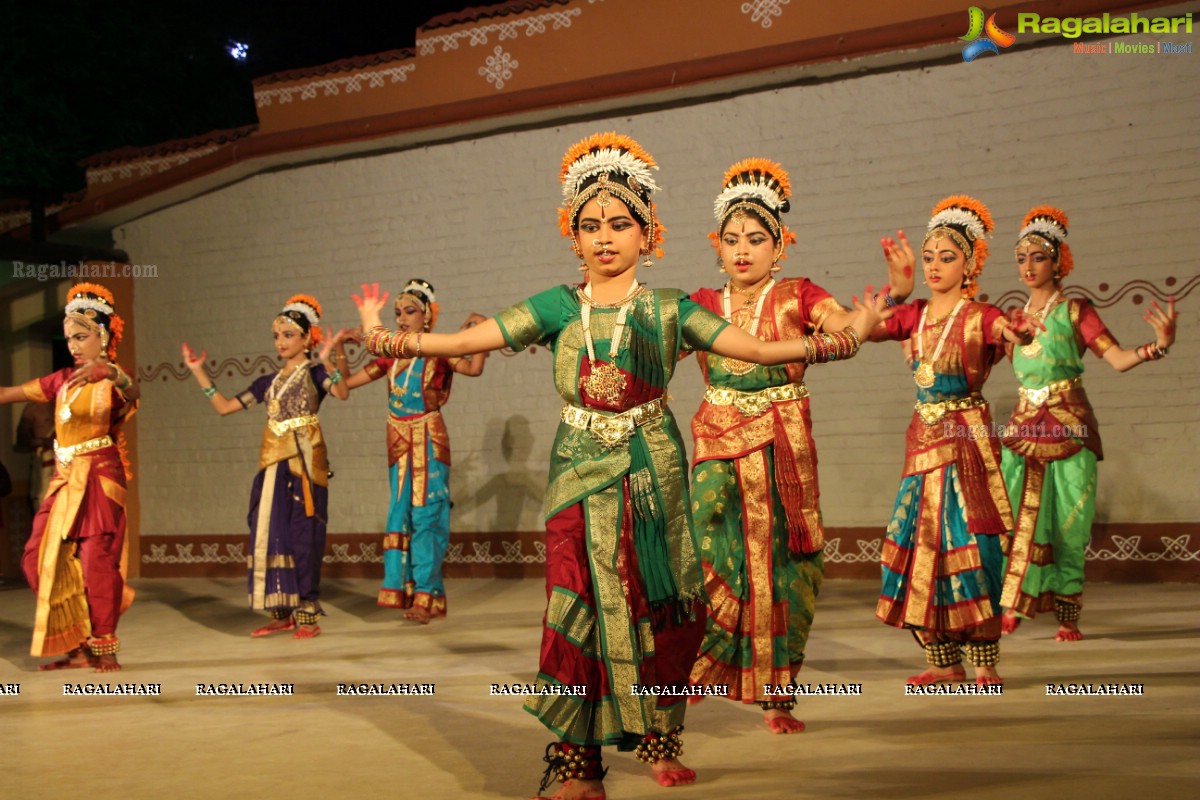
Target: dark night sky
(79,77)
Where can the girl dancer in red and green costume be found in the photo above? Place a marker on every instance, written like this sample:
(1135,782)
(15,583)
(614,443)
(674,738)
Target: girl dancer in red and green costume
(754,480)
(624,585)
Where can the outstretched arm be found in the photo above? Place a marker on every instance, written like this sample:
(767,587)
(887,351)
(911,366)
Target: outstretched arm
(736,343)
(12,394)
(484,337)
(1164,324)
(222,404)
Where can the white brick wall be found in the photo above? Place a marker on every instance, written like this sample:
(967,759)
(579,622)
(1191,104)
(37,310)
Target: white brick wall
(1112,140)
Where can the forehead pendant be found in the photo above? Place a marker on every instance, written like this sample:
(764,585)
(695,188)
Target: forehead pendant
(603,197)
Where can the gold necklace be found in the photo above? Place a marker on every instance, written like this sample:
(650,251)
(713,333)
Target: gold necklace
(1034,348)
(64,406)
(585,296)
(275,391)
(733,365)
(605,382)
(924,374)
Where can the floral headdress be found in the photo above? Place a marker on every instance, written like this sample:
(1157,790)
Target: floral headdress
(421,290)
(1047,226)
(304,312)
(91,305)
(759,187)
(968,223)
(606,165)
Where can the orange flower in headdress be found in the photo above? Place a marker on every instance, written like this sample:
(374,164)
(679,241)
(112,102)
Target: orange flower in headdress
(769,172)
(611,141)
(616,164)
(95,289)
(968,222)
(1049,224)
(762,187)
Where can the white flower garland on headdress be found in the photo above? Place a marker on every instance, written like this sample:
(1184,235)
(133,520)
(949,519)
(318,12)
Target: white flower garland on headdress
(422,287)
(1046,228)
(962,218)
(308,311)
(604,160)
(95,304)
(760,191)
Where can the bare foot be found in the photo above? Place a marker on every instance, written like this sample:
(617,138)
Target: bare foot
(275,626)
(781,721)
(1068,632)
(1009,622)
(307,632)
(672,772)
(107,663)
(577,790)
(79,658)
(418,614)
(987,676)
(936,675)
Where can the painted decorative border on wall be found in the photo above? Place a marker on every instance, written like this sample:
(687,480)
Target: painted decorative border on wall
(1119,553)
(246,366)
(1105,296)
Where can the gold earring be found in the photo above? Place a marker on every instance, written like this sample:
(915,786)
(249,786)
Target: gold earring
(647,262)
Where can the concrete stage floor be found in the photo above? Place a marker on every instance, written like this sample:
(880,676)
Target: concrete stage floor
(464,743)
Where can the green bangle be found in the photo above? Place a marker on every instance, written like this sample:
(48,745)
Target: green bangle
(209,391)
(335,377)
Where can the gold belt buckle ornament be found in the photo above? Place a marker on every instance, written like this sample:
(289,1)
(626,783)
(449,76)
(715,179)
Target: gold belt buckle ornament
(1037,397)
(751,405)
(931,412)
(612,431)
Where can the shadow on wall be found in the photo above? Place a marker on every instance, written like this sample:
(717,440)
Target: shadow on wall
(513,488)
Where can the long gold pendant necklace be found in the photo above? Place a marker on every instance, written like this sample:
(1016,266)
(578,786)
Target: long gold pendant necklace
(924,376)
(605,381)
(733,365)
(64,404)
(1034,348)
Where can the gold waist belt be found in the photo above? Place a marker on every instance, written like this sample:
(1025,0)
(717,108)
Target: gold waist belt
(66,455)
(612,429)
(751,404)
(1038,397)
(932,412)
(284,425)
